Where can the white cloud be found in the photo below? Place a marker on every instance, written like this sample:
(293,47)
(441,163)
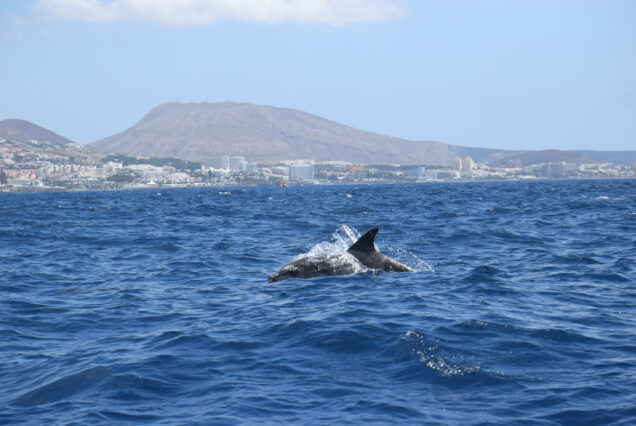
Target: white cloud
(201,12)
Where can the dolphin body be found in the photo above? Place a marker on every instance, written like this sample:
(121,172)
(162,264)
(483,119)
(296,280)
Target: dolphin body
(363,250)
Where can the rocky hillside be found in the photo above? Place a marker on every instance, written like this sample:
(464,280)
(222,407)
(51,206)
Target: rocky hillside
(200,131)
(23,131)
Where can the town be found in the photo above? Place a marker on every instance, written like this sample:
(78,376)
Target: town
(41,166)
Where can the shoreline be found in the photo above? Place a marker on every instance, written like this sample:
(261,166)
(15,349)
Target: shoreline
(12,190)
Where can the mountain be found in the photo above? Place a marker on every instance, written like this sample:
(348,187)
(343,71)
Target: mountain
(543,156)
(201,131)
(23,131)
(625,158)
(28,139)
(527,158)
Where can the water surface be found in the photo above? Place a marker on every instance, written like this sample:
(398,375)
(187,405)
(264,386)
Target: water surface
(154,306)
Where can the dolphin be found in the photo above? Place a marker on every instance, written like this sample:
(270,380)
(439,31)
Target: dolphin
(363,250)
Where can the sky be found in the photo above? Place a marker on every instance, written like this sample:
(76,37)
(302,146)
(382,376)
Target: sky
(506,74)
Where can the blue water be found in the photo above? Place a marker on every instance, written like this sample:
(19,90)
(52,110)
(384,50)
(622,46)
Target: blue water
(154,306)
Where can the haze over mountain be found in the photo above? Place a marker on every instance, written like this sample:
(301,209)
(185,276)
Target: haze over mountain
(23,131)
(201,131)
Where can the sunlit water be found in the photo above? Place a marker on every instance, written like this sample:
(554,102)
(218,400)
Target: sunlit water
(154,306)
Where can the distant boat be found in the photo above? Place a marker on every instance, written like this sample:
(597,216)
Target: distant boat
(281,185)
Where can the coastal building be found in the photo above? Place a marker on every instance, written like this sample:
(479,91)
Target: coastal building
(467,164)
(251,168)
(423,174)
(553,170)
(302,172)
(113,167)
(179,177)
(280,170)
(154,175)
(467,167)
(220,162)
(456,164)
(140,167)
(237,163)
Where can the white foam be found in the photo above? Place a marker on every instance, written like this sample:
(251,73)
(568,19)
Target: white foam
(336,249)
(407,257)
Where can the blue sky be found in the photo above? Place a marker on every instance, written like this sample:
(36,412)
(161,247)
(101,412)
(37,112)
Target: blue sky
(516,74)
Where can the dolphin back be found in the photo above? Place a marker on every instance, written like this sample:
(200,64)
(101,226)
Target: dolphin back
(364,250)
(365,243)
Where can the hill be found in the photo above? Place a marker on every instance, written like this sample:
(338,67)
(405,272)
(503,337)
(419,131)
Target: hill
(30,140)
(23,131)
(543,156)
(201,131)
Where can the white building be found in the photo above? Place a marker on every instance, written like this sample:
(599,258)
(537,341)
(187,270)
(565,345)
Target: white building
(251,168)
(154,175)
(423,174)
(467,164)
(467,167)
(457,164)
(179,178)
(113,167)
(280,170)
(237,163)
(553,170)
(302,172)
(220,162)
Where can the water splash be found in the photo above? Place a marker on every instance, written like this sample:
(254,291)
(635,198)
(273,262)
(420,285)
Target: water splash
(409,258)
(335,250)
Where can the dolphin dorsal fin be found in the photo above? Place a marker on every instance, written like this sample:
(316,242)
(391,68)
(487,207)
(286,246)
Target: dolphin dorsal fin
(365,242)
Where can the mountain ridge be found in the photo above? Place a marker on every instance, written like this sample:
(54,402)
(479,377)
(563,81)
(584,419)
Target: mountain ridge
(200,131)
(23,131)
(263,133)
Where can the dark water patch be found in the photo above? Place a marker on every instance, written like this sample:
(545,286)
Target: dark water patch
(576,259)
(29,308)
(485,273)
(347,341)
(120,416)
(588,277)
(165,246)
(139,385)
(624,264)
(583,417)
(64,388)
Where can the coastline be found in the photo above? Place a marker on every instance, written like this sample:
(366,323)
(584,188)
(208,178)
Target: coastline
(18,190)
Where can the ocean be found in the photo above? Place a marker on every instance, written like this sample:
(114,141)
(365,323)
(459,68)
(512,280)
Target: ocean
(153,306)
